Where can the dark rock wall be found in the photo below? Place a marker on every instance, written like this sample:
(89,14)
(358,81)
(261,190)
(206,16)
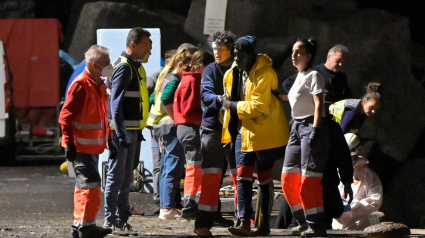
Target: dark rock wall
(17,9)
(100,15)
(404,198)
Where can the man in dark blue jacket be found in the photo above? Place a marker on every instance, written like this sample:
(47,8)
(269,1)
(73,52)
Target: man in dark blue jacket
(126,115)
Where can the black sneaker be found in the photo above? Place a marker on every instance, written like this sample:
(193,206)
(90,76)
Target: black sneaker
(116,230)
(179,205)
(124,226)
(220,221)
(74,232)
(124,229)
(261,232)
(94,231)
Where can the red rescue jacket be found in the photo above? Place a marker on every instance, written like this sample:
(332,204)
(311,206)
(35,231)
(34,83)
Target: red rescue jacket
(187,100)
(84,116)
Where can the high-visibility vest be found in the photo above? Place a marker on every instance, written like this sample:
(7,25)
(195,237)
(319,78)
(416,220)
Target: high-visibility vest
(90,125)
(337,109)
(145,96)
(136,98)
(157,115)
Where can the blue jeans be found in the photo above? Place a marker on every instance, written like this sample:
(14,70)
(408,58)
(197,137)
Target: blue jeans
(156,170)
(118,180)
(172,169)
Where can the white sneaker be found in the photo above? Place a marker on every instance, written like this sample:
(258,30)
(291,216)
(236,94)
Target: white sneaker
(171,214)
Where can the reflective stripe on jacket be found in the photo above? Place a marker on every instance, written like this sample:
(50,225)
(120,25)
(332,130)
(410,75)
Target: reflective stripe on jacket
(264,124)
(90,125)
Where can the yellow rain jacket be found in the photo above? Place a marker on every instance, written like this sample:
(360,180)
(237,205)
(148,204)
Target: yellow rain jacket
(264,124)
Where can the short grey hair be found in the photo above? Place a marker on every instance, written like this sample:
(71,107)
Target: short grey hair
(95,52)
(338,48)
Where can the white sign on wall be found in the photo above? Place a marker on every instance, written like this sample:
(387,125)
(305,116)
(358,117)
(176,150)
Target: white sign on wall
(215,16)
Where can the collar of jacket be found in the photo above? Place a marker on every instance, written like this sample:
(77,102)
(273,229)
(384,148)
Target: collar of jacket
(263,60)
(136,63)
(90,77)
(196,75)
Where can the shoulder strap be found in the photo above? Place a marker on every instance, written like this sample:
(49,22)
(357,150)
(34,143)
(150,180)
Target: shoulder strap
(167,81)
(352,103)
(123,60)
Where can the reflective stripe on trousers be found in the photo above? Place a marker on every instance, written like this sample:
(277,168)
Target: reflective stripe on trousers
(303,170)
(80,125)
(87,192)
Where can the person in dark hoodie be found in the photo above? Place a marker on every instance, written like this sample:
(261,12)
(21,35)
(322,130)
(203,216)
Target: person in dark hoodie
(214,153)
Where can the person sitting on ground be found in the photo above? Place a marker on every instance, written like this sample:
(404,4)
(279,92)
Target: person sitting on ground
(367,189)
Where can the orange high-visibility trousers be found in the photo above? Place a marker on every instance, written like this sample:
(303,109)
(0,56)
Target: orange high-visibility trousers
(87,205)
(87,192)
(213,155)
(188,136)
(302,173)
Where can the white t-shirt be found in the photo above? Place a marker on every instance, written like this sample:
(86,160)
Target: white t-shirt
(306,85)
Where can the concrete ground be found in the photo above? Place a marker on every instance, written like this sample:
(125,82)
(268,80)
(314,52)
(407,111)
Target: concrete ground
(36,200)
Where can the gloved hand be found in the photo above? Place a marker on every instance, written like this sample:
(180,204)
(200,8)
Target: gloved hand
(276,94)
(225,101)
(140,136)
(348,192)
(313,137)
(346,207)
(124,142)
(219,99)
(70,152)
(112,149)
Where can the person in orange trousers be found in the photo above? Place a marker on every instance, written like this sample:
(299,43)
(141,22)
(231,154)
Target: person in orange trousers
(214,153)
(86,134)
(188,117)
(306,152)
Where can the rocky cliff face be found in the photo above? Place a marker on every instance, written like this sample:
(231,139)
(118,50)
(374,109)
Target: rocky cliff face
(98,15)
(17,9)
